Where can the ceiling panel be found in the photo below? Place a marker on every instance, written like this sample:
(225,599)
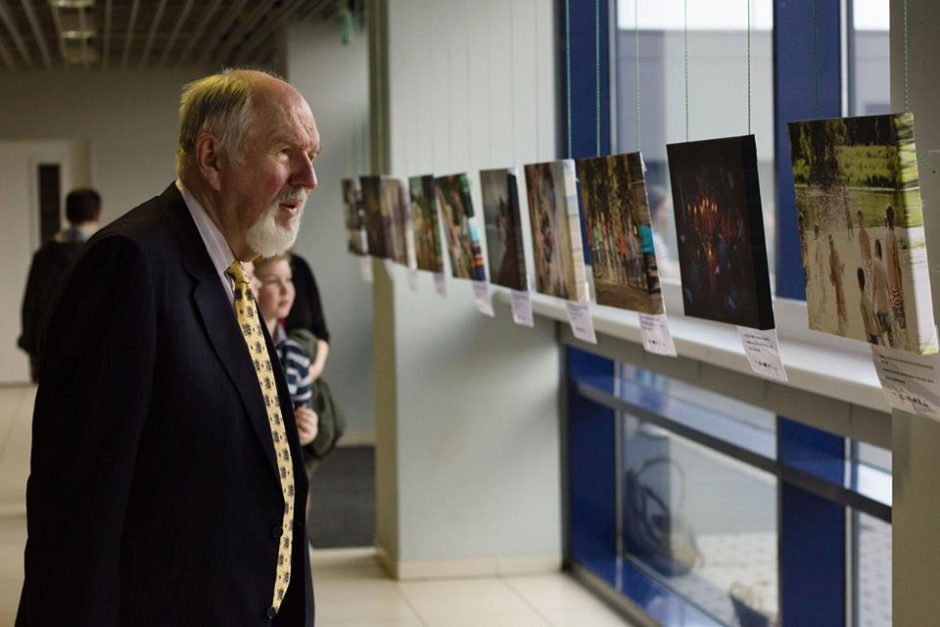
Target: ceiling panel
(38,35)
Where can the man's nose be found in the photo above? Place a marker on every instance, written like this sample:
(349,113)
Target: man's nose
(305,175)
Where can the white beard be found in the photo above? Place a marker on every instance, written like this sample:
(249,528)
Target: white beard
(268,238)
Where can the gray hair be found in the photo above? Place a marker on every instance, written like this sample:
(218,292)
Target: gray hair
(221,105)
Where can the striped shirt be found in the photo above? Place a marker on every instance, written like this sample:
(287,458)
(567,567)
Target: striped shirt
(296,364)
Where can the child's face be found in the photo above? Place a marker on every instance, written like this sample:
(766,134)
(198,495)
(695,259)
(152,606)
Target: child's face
(276,291)
(253,283)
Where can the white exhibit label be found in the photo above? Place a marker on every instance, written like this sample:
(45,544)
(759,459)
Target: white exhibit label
(522,308)
(654,328)
(579,317)
(413,279)
(390,268)
(365,268)
(440,283)
(910,382)
(481,293)
(763,352)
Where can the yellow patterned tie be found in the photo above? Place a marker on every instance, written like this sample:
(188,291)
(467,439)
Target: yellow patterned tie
(250,324)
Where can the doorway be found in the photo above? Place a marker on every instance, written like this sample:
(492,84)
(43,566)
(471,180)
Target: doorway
(34,177)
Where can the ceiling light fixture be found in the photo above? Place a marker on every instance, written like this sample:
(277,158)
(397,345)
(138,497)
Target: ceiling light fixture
(73,4)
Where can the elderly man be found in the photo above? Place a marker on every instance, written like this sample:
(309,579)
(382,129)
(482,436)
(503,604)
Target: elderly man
(167,483)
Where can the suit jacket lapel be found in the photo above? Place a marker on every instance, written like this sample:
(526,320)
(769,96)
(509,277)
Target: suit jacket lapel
(218,318)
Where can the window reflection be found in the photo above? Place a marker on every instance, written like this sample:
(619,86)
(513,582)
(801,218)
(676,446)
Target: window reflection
(717,103)
(702,523)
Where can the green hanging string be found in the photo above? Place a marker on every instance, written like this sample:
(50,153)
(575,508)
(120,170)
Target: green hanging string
(748,66)
(685,36)
(429,37)
(597,74)
(512,78)
(636,71)
(568,69)
(450,108)
(490,74)
(538,114)
(924,161)
(816,58)
(466,17)
(379,162)
(907,97)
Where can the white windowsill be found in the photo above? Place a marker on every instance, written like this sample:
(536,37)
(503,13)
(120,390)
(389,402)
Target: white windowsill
(816,362)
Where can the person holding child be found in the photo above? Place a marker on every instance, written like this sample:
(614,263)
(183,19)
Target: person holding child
(275,300)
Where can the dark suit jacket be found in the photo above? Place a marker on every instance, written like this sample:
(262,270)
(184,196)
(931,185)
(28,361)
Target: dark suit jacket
(154,497)
(50,265)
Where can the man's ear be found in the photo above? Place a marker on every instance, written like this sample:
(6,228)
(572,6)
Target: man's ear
(209,160)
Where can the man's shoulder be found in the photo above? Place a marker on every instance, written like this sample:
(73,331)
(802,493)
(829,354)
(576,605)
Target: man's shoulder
(152,224)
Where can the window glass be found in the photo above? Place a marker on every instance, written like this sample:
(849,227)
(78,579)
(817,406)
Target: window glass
(868,54)
(717,103)
(702,523)
(872,571)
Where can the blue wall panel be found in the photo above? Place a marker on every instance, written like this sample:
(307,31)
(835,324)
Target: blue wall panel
(807,85)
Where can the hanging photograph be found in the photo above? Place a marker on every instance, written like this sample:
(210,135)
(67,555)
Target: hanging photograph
(397,226)
(619,232)
(375,220)
(355,218)
(720,231)
(463,240)
(424,222)
(861,230)
(556,230)
(504,250)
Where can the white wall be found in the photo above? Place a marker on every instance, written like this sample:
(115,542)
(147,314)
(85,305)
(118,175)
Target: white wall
(468,478)
(334,79)
(20,236)
(128,118)
(122,127)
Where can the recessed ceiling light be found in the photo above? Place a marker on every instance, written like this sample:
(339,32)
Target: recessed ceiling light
(72,4)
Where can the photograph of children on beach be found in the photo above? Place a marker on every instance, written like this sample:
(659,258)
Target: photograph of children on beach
(355,218)
(375,221)
(720,231)
(620,236)
(500,192)
(556,230)
(424,224)
(463,239)
(861,230)
(395,211)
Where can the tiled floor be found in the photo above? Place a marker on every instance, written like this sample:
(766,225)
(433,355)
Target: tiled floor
(351,589)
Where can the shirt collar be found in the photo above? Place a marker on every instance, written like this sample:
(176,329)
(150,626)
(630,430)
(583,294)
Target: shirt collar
(280,334)
(218,248)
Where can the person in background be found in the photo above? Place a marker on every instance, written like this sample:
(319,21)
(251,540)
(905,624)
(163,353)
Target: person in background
(836,274)
(893,268)
(50,265)
(306,324)
(872,333)
(307,313)
(275,294)
(880,299)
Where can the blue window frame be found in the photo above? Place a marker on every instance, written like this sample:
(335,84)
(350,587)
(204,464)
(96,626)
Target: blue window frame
(703,510)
